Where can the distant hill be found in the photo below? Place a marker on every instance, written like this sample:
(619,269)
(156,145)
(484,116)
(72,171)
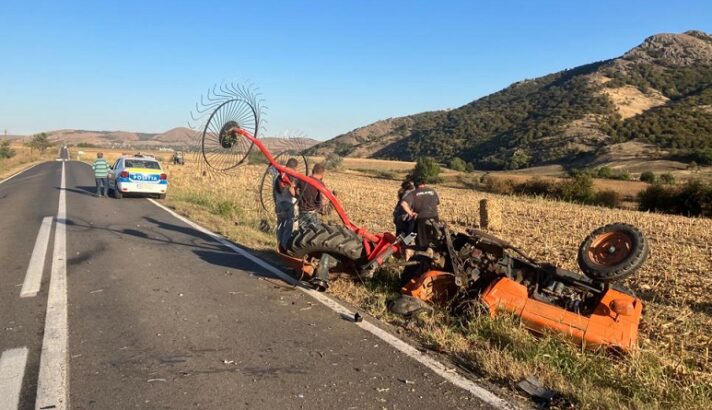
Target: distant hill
(178,138)
(658,93)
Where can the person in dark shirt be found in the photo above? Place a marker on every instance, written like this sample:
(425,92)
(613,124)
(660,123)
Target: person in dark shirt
(421,204)
(311,203)
(284,194)
(403,222)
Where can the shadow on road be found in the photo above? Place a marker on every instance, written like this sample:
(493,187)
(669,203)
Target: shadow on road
(84,190)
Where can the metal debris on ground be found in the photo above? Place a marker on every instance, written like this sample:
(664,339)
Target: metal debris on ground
(533,387)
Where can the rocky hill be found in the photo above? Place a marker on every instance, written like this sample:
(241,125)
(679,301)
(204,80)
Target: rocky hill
(658,93)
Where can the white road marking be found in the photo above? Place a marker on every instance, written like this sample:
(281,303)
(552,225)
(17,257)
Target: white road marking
(12,371)
(52,384)
(33,276)
(439,368)
(18,173)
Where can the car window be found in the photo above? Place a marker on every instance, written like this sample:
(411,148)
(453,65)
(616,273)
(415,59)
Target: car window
(142,163)
(116,164)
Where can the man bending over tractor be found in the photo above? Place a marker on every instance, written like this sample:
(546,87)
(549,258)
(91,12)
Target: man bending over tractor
(311,203)
(421,204)
(284,193)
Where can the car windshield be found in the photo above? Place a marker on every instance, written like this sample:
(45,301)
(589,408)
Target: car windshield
(142,163)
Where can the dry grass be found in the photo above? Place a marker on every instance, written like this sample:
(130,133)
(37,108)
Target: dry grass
(23,158)
(672,368)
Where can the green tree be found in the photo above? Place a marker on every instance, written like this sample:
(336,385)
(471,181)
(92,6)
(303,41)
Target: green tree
(520,159)
(5,150)
(649,177)
(39,142)
(469,167)
(578,189)
(457,164)
(428,169)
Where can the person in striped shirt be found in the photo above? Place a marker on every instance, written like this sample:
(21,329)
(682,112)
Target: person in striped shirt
(101,173)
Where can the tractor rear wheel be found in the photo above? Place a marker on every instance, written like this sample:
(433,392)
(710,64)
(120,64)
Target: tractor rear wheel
(612,252)
(337,241)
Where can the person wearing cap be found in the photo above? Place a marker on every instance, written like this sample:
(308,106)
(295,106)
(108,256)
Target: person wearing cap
(285,202)
(421,205)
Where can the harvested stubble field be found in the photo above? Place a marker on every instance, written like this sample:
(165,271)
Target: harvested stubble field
(672,369)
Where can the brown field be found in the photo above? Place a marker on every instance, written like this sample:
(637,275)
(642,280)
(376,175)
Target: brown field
(672,369)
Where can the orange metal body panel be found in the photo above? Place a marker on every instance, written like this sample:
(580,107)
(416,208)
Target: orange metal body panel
(297,264)
(603,328)
(433,286)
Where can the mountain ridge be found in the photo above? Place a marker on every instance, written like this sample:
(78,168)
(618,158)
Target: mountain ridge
(659,92)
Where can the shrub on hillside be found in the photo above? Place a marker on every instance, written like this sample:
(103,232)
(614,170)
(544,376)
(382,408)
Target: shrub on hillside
(608,198)
(649,177)
(497,185)
(577,189)
(5,150)
(622,176)
(604,172)
(428,169)
(667,178)
(694,198)
(536,187)
(333,161)
(457,164)
(703,156)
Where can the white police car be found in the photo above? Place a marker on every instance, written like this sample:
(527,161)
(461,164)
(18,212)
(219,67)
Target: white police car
(137,174)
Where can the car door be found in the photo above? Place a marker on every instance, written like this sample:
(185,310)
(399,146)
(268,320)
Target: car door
(115,169)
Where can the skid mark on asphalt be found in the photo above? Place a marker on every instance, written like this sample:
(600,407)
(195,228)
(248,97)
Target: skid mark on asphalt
(87,255)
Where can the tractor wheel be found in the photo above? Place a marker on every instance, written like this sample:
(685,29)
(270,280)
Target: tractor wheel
(612,252)
(337,241)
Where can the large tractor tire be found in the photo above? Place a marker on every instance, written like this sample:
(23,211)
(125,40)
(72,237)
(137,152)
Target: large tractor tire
(612,252)
(337,241)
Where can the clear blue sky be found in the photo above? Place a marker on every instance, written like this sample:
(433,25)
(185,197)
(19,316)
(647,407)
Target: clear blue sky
(324,67)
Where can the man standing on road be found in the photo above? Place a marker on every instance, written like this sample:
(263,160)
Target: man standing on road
(284,193)
(101,173)
(311,203)
(421,204)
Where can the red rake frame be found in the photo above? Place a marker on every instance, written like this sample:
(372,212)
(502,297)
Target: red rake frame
(375,245)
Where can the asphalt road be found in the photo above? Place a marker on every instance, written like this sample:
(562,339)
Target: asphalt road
(162,316)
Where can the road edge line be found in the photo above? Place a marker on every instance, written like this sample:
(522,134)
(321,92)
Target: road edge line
(53,380)
(434,365)
(12,371)
(35,269)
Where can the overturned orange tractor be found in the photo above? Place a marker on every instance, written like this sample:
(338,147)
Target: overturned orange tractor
(459,270)
(478,269)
